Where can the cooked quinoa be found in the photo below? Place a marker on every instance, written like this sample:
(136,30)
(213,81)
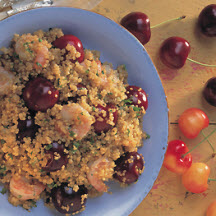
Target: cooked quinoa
(85,156)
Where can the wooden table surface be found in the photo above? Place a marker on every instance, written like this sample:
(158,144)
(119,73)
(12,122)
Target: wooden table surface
(183,89)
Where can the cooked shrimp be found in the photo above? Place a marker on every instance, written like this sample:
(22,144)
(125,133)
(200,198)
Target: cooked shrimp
(6,80)
(80,118)
(25,189)
(103,77)
(41,57)
(94,177)
(30,48)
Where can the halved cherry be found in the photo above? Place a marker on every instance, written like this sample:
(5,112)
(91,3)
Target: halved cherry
(175,160)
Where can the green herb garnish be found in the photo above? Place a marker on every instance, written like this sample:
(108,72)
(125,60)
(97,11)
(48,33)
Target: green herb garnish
(3,191)
(71,133)
(11,156)
(2,141)
(48,147)
(40,40)
(38,64)
(136,108)
(128,132)
(147,136)
(126,101)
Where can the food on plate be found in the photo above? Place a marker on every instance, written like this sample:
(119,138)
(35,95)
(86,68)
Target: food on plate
(68,122)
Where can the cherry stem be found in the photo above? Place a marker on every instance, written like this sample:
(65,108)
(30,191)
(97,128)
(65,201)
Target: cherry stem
(199,143)
(210,179)
(179,18)
(208,142)
(203,64)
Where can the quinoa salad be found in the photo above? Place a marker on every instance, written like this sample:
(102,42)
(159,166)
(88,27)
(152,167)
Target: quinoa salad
(68,122)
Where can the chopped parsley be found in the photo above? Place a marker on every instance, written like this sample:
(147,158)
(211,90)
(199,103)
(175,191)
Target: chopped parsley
(136,108)
(38,64)
(3,191)
(11,156)
(124,67)
(147,136)
(97,74)
(93,108)
(76,144)
(87,71)
(52,185)
(48,147)
(2,141)
(40,40)
(102,72)
(92,140)
(109,93)
(99,96)
(128,132)
(71,133)
(15,55)
(128,101)
(2,169)
(73,150)
(33,203)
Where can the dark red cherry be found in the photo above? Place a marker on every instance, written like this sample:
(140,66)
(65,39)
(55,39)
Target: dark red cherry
(129,167)
(63,41)
(137,96)
(55,150)
(67,201)
(207,20)
(209,91)
(27,128)
(174,52)
(104,113)
(40,94)
(139,25)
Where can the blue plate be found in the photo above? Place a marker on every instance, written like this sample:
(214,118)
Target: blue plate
(117,46)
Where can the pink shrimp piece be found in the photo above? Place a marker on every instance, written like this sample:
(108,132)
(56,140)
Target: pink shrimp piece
(24,189)
(41,57)
(94,174)
(6,80)
(80,118)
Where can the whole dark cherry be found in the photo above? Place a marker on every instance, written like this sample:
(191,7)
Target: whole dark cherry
(209,91)
(137,96)
(63,41)
(67,201)
(40,94)
(139,25)
(129,167)
(27,128)
(207,20)
(53,164)
(174,52)
(100,126)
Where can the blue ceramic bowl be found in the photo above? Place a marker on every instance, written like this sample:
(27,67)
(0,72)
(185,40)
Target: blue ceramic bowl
(117,46)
